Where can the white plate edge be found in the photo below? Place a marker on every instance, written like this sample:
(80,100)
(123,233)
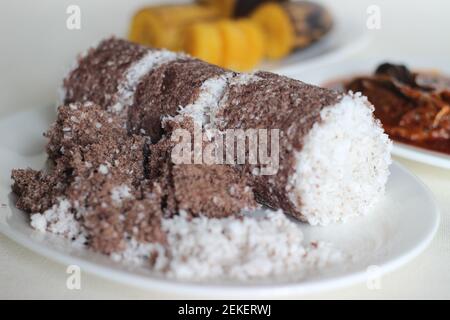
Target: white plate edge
(235,291)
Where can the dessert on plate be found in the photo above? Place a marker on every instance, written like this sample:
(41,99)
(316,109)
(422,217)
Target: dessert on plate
(112,183)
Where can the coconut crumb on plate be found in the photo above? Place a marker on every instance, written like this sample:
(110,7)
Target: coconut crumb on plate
(241,248)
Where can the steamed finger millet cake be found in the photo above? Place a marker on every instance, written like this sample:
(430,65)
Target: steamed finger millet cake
(112,186)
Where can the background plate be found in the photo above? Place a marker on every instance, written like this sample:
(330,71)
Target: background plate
(320,75)
(346,38)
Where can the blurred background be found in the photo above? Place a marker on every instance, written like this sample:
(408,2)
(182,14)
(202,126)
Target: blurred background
(37,47)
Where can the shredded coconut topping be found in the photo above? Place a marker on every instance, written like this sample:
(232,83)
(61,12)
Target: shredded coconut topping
(234,248)
(152,60)
(59,219)
(202,110)
(118,194)
(103,169)
(333,181)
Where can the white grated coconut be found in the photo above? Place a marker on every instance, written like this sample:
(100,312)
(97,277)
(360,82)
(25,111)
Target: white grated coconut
(152,60)
(343,166)
(60,220)
(235,248)
(120,193)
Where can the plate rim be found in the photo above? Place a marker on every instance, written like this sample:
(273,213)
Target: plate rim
(235,290)
(362,40)
(421,155)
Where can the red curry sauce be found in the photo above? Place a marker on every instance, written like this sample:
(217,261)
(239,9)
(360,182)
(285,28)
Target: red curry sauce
(414,108)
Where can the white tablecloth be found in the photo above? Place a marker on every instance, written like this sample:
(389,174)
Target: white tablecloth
(36,47)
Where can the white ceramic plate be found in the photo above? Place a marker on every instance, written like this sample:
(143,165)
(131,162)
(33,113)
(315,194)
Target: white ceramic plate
(319,75)
(347,37)
(400,227)
(433,158)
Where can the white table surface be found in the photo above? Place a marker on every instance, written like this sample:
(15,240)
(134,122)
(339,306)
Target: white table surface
(36,47)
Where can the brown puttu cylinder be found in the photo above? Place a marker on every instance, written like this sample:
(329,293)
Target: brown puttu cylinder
(333,155)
